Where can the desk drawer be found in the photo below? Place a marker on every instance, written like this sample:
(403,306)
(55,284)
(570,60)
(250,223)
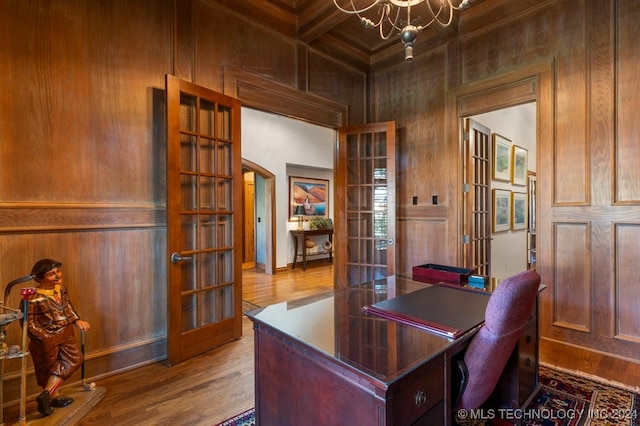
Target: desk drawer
(435,416)
(527,363)
(416,398)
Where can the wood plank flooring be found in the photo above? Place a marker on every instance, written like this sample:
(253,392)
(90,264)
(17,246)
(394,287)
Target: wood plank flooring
(219,384)
(209,388)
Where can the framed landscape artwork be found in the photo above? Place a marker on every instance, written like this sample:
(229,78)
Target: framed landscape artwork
(312,194)
(519,210)
(501,214)
(519,166)
(501,158)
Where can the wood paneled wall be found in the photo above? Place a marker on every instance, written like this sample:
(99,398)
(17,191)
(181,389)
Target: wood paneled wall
(579,57)
(82,167)
(82,149)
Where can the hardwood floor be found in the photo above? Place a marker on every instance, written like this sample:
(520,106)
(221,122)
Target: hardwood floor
(219,384)
(601,365)
(209,388)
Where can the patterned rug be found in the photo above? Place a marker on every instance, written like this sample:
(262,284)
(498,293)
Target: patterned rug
(575,399)
(567,399)
(564,399)
(248,306)
(248,418)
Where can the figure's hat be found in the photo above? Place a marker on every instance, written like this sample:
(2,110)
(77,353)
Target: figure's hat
(43,266)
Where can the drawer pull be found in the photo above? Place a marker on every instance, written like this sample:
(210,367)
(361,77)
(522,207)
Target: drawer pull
(527,362)
(421,397)
(529,339)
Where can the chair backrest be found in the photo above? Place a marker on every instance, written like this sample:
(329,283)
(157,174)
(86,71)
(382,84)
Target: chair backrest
(508,311)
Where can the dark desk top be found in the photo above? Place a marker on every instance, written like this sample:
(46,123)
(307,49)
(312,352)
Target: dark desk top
(333,324)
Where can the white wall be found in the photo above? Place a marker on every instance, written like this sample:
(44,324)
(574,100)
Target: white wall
(509,249)
(279,144)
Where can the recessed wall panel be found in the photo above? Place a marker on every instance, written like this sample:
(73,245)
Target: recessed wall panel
(425,238)
(627,148)
(572,295)
(627,314)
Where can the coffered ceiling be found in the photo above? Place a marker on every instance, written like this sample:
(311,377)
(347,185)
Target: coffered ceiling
(320,25)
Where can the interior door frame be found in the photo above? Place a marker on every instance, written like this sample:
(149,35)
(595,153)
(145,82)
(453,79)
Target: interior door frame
(261,93)
(269,213)
(521,86)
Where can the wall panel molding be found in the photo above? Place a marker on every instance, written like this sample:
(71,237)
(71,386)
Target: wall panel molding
(268,95)
(428,213)
(97,366)
(627,293)
(627,86)
(31,217)
(422,239)
(572,290)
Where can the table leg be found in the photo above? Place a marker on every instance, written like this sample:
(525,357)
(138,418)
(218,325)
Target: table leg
(295,251)
(331,250)
(304,254)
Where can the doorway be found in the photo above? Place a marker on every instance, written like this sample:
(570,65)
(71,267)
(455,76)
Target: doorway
(248,220)
(526,88)
(509,248)
(259,217)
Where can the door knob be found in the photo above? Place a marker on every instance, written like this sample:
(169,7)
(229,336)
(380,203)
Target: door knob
(175,257)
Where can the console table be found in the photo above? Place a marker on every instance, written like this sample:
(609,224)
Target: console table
(301,236)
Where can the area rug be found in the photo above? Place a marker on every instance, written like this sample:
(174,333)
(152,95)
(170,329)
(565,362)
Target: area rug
(247,418)
(567,398)
(248,306)
(571,398)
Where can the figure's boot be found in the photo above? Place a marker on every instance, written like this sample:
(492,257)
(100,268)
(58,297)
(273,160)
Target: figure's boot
(61,401)
(44,403)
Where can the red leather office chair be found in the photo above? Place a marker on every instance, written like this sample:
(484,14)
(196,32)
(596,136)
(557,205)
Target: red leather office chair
(506,316)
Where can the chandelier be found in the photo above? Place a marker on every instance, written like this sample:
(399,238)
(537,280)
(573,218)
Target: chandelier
(389,22)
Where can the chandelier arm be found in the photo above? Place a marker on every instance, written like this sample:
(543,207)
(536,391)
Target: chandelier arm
(437,15)
(422,27)
(394,25)
(355,11)
(461,6)
(380,22)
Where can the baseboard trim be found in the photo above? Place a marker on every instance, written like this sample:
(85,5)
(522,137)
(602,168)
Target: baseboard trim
(98,366)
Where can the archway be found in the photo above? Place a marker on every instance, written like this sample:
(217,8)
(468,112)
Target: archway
(266,205)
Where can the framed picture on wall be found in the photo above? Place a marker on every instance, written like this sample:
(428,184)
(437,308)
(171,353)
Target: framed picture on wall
(519,210)
(501,158)
(519,166)
(308,197)
(501,213)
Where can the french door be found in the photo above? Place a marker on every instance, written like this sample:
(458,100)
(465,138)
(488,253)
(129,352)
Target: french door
(477,205)
(204,214)
(365,204)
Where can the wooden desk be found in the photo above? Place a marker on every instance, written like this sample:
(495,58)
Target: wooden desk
(322,361)
(302,236)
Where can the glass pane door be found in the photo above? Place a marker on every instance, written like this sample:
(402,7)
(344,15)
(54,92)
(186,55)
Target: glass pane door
(203,181)
(366,219)
(477,205)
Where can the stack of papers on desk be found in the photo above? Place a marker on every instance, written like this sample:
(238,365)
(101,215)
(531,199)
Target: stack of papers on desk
(443,310)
